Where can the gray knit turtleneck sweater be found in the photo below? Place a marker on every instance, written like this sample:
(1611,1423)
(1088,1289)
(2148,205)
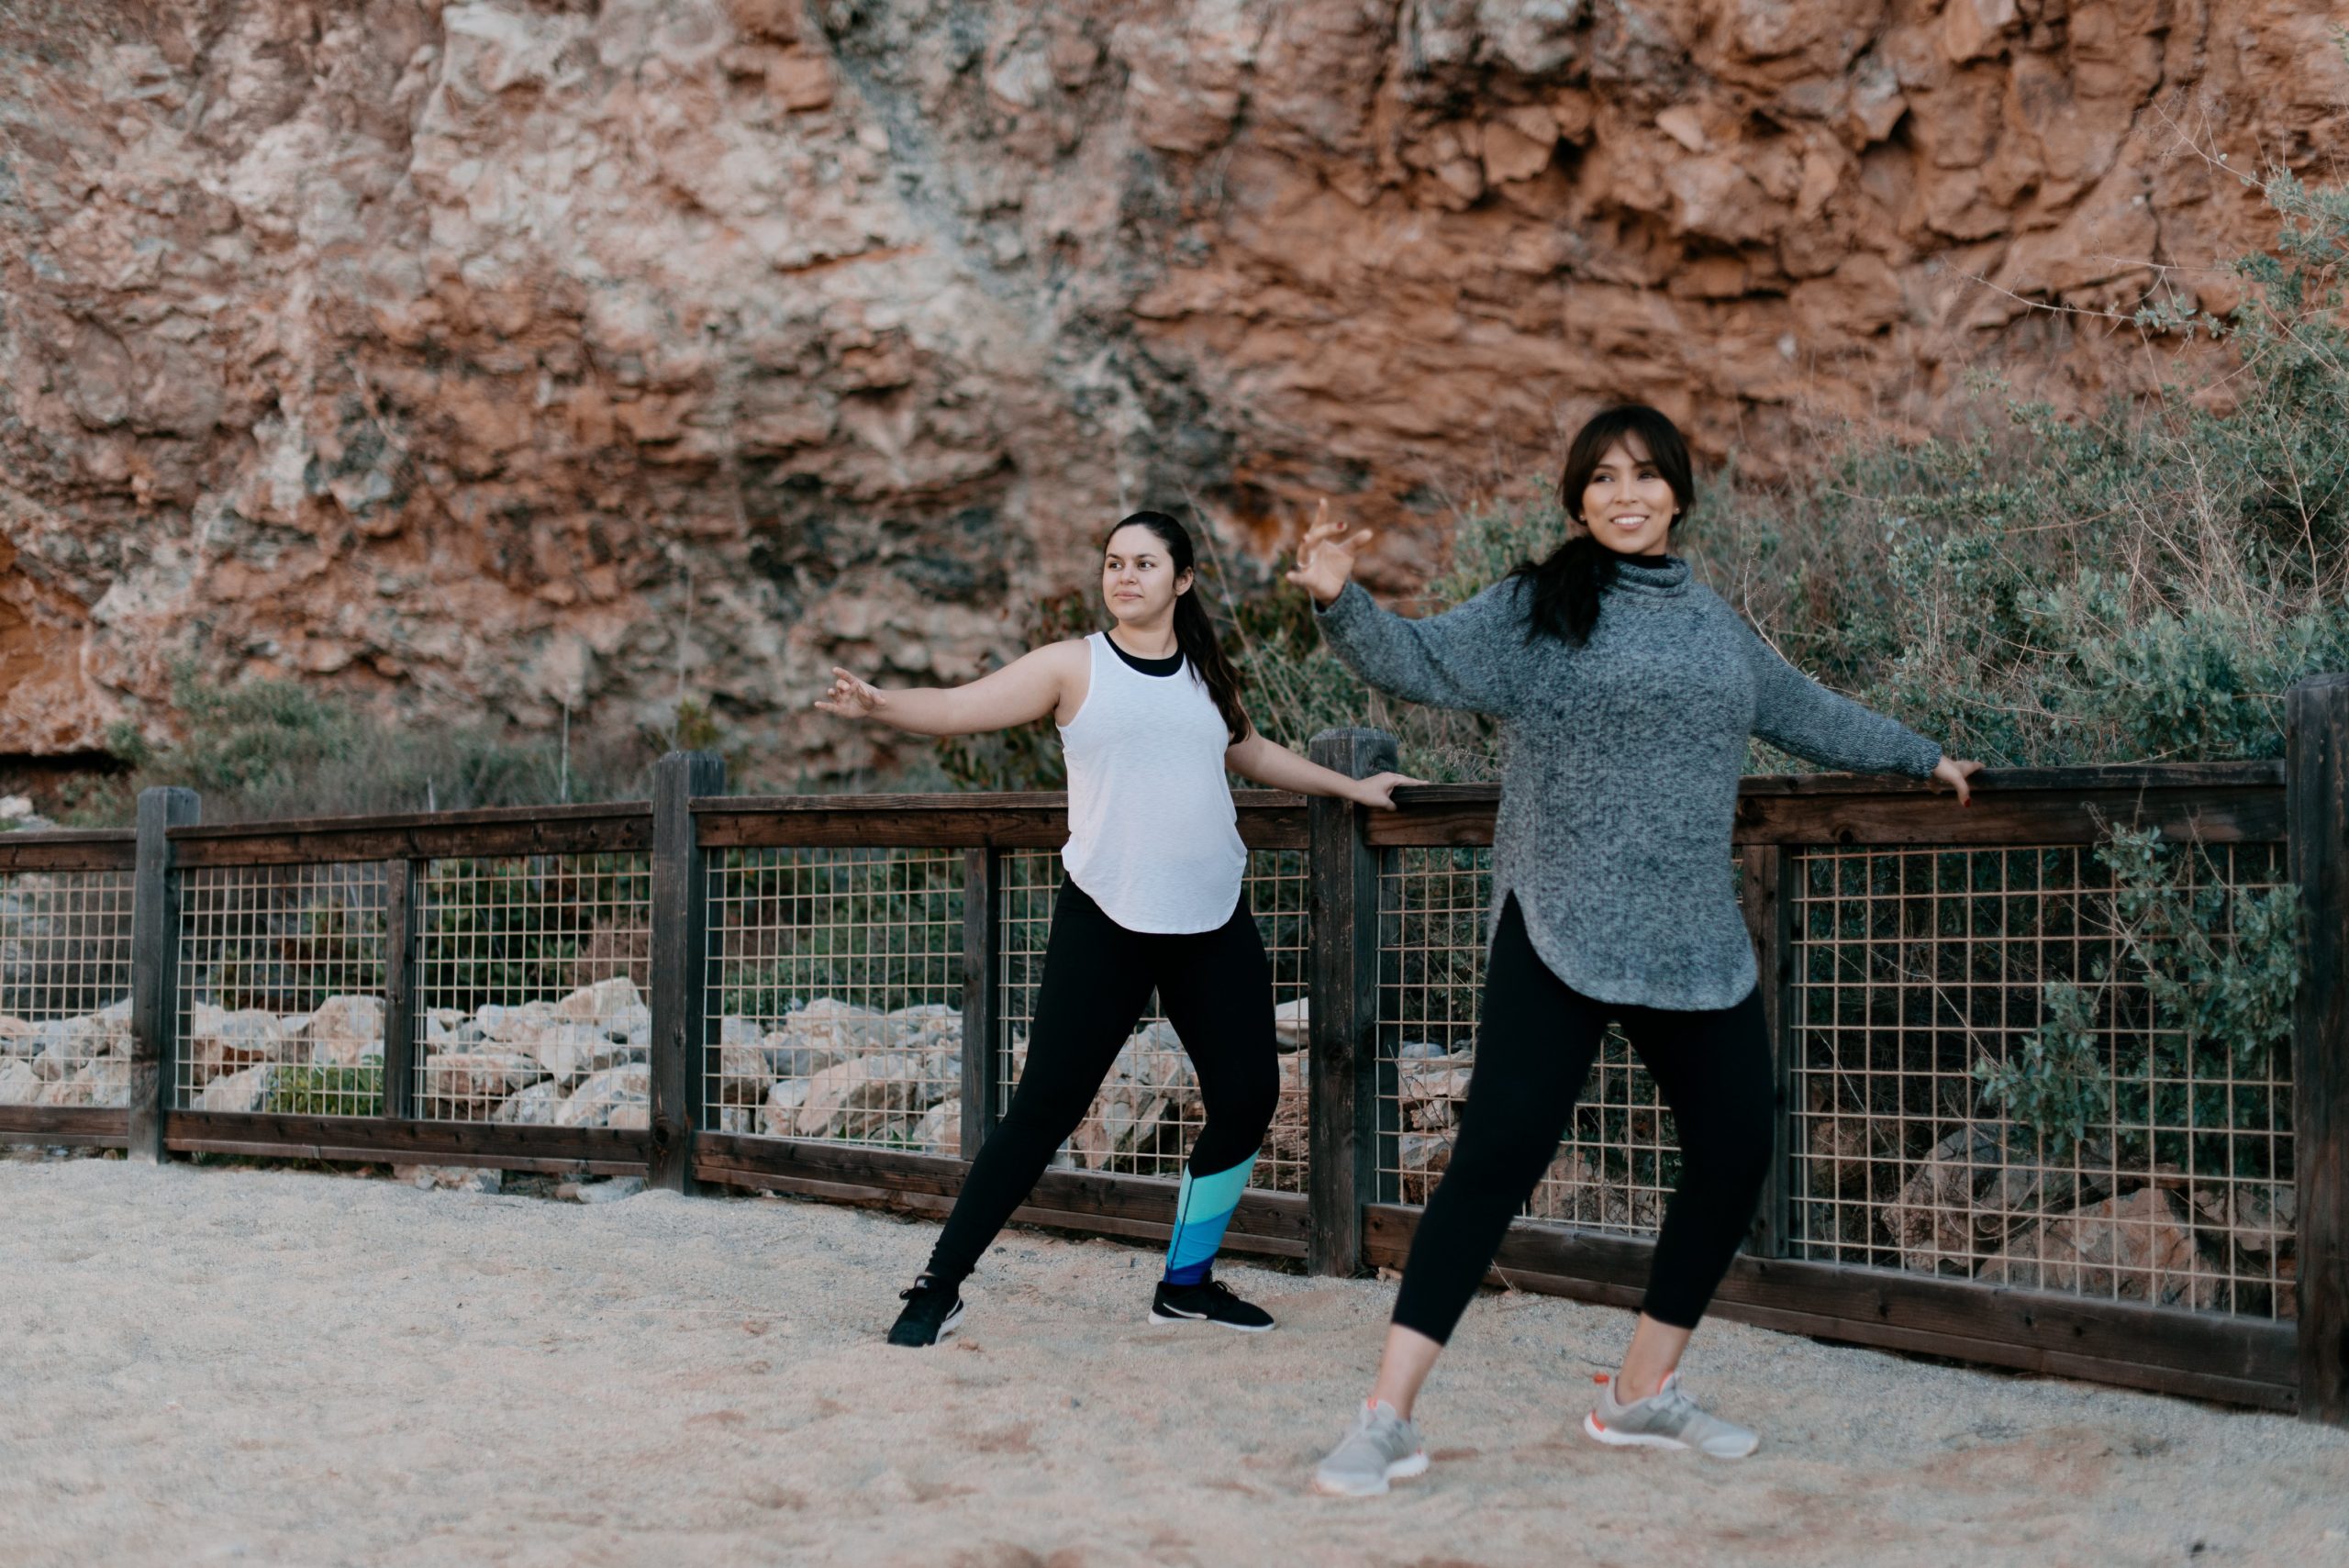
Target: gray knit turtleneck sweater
(1620,766)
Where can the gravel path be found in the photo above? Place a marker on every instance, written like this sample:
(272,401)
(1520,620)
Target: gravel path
(289,1368)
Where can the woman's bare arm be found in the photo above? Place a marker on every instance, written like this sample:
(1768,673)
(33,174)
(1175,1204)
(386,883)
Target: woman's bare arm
(1273,766)
(1048,680)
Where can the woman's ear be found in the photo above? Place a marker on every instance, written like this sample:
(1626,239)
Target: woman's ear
(1183,584)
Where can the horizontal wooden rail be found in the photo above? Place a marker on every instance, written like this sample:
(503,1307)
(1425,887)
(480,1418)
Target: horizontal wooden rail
(1142,1207)
(2217,802)
(595,1149)
(81,1126)
(2222,802)
(2242,1361)
(2247,774)
(110,848)
(516,830)
(1033,820)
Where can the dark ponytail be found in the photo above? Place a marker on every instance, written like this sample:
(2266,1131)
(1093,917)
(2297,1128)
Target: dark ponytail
(1566,584)
(1194,632)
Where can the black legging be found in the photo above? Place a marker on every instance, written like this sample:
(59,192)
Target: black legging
(1535,1043)
(1217,989)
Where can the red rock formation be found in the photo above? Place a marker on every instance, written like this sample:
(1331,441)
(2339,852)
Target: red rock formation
(500,356)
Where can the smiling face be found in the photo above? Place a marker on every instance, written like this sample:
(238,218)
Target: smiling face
(1628,504)
(1139,582)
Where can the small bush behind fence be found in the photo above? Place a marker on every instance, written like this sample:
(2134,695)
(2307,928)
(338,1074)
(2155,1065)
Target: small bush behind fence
(2041,1100)
(1927,985)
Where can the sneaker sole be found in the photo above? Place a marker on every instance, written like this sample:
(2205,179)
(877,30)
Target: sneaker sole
(1158,1315)
(952,1318)
(1598,1433)
(1401,1470)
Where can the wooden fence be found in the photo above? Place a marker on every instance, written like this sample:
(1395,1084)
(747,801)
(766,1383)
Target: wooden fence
(419,916)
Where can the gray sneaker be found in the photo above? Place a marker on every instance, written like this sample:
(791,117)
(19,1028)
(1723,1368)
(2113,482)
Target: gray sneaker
(1382,1447)
(1667,1419)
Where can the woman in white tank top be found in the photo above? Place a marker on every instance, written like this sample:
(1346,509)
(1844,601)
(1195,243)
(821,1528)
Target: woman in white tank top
(1150,721)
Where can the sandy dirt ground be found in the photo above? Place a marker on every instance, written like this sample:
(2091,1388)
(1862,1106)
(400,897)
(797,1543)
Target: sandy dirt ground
(288,1368)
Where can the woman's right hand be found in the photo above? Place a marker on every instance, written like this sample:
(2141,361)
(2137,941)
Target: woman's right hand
(1955,772)
(1325,557)
(850,697)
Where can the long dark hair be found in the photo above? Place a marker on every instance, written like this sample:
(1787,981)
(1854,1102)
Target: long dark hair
(1566,584)
(1194,632)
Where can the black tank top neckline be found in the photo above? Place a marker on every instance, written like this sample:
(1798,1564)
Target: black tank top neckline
(1165,666)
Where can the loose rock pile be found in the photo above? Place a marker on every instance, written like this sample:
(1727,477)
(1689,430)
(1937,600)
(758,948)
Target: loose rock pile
(82,1061)
(834,1070)
(829,1069)
(1985,1204)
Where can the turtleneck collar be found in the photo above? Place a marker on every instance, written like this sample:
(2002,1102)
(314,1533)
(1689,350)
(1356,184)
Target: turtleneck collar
(1663,575)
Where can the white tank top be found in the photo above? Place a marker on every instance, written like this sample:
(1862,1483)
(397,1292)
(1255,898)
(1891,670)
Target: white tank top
(1153,836)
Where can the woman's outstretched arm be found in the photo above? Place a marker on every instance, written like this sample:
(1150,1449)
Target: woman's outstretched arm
(1273,766)
(1466,658)
(1796,714)
(1048,680)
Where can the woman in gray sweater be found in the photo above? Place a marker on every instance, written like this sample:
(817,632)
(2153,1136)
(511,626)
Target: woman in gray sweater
(1625,694)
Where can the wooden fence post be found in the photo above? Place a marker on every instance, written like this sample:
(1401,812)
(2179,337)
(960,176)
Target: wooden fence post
(403,893)
(2316,789)
(154,967)
(680,963)
(1769,921)
(982,994)
(1341,1173)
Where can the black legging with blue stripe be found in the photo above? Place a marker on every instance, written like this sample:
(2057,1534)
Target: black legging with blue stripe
(1216,990)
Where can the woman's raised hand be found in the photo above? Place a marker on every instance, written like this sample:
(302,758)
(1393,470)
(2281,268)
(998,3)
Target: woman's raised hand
(1325,557)
(850,697)
(1954,772)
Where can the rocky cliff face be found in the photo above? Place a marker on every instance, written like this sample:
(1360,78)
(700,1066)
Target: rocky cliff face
(501,357)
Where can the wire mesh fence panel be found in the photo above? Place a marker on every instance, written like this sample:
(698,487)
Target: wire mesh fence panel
(1620,1158)
(1989,1078)
(530,974)
(281,989)
(835,987)
(65,988)
(1148,1111)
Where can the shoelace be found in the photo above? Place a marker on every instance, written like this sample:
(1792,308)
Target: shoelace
(1674,1403)
(1667,1400)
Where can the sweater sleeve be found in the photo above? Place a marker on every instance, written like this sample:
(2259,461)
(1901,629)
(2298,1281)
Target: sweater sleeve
(1796,714)
(1464,658)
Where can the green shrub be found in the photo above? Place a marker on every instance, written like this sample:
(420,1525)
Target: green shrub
(325,1091)
(276,749)
(2218,967)
(507,929)
(880,929)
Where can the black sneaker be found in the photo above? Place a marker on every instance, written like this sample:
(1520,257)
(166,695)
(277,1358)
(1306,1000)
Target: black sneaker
(1209,1301)
(931,1311)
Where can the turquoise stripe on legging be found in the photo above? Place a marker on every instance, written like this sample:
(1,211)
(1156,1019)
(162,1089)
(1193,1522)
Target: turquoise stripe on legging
(1202,1211)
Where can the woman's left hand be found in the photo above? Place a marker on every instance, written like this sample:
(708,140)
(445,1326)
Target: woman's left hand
(1953,771)
(1378,790)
